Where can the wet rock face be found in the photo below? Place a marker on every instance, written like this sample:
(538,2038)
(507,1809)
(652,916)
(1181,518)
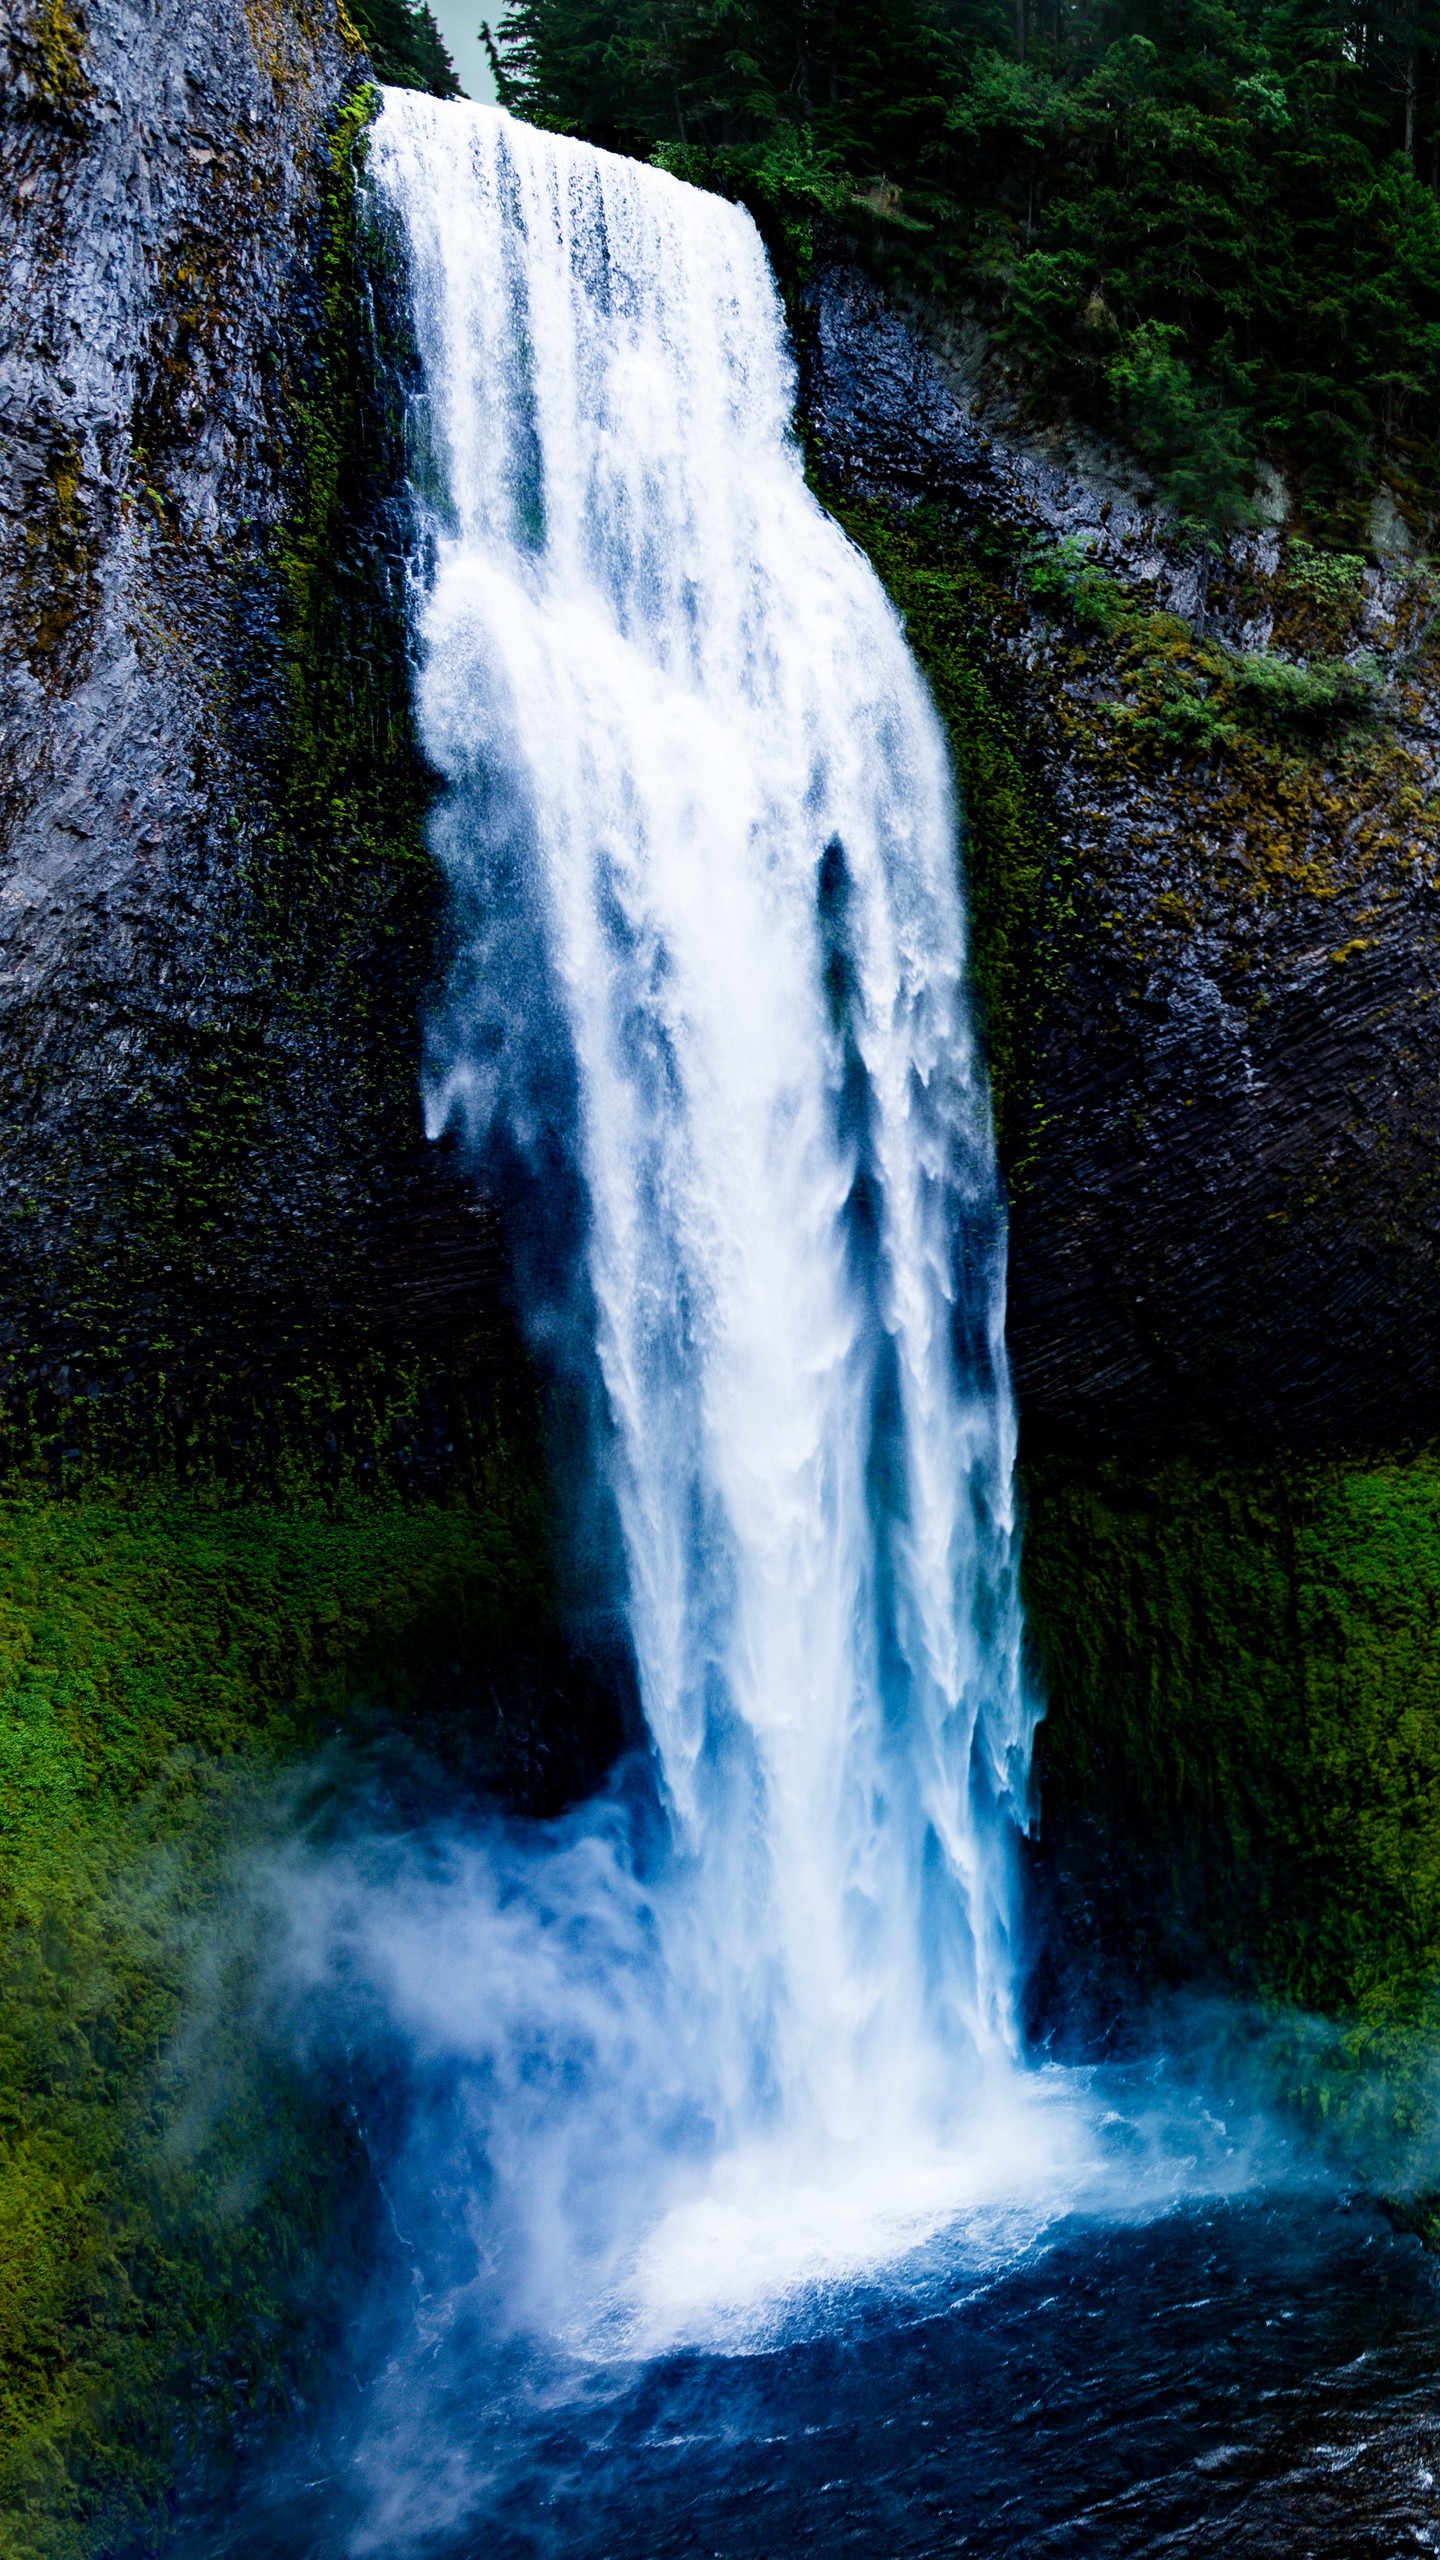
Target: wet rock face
(217,915)
(156,207)
(1229,1217)
(214,946)
(160,178)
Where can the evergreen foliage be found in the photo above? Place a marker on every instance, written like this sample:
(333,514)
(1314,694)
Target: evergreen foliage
(1213,225)
(406,46)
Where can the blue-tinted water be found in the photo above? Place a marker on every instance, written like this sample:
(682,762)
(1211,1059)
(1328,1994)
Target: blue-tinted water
(1258,2378)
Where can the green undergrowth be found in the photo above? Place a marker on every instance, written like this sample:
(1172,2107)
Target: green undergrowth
(1181,690)
(1239,1770)
(175,2197)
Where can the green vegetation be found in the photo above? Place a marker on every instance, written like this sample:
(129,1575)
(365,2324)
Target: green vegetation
(405,45)
(1240,1766)
(49,38)
(1271,751)
(1212,227)
(172,2213)
(1320,697)
(1063,577)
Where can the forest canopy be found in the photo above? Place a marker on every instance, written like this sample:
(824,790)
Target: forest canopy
(1213,228)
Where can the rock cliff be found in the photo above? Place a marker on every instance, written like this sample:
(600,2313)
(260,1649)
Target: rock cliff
(217,914)
(1207,938)
(1203,869)
(1215,1018)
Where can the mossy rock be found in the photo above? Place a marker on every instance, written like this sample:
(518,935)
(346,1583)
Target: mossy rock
(1238,1776)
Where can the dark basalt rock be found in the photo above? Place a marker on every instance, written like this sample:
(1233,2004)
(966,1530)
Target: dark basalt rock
(1228,1221)
(154,241)
(218,915)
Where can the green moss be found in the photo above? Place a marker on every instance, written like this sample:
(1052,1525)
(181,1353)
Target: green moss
(50,41)
(131,1633)
(168,2213)
(1239,1772)
(57,599)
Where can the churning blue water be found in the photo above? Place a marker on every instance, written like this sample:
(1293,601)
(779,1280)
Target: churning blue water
(1258,2378)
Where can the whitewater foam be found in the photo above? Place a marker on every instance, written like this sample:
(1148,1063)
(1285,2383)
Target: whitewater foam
(710,992)
(699,814)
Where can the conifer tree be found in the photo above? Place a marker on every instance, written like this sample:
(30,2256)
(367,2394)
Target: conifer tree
(1211,225)
(406,45)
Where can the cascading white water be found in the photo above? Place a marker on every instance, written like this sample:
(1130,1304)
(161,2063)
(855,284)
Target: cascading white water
(692,765)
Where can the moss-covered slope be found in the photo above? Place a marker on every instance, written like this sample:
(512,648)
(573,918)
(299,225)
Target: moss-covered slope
(182,2214)
(1241,1767)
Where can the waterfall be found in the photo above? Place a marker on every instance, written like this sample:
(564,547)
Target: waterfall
(710,976)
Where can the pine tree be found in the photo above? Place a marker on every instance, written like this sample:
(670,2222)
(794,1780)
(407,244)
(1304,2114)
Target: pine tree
(406,45)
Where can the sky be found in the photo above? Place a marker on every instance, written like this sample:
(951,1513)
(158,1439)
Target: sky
(459,24)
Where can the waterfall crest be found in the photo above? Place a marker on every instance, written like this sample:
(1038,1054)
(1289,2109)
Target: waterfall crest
(702,844)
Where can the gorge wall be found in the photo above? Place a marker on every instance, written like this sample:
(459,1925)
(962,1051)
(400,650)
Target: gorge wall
(1218,980)
(268,1473)
(1208,971)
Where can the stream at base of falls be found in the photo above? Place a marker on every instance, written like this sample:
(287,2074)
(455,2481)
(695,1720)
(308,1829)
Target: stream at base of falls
(1258,2377)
